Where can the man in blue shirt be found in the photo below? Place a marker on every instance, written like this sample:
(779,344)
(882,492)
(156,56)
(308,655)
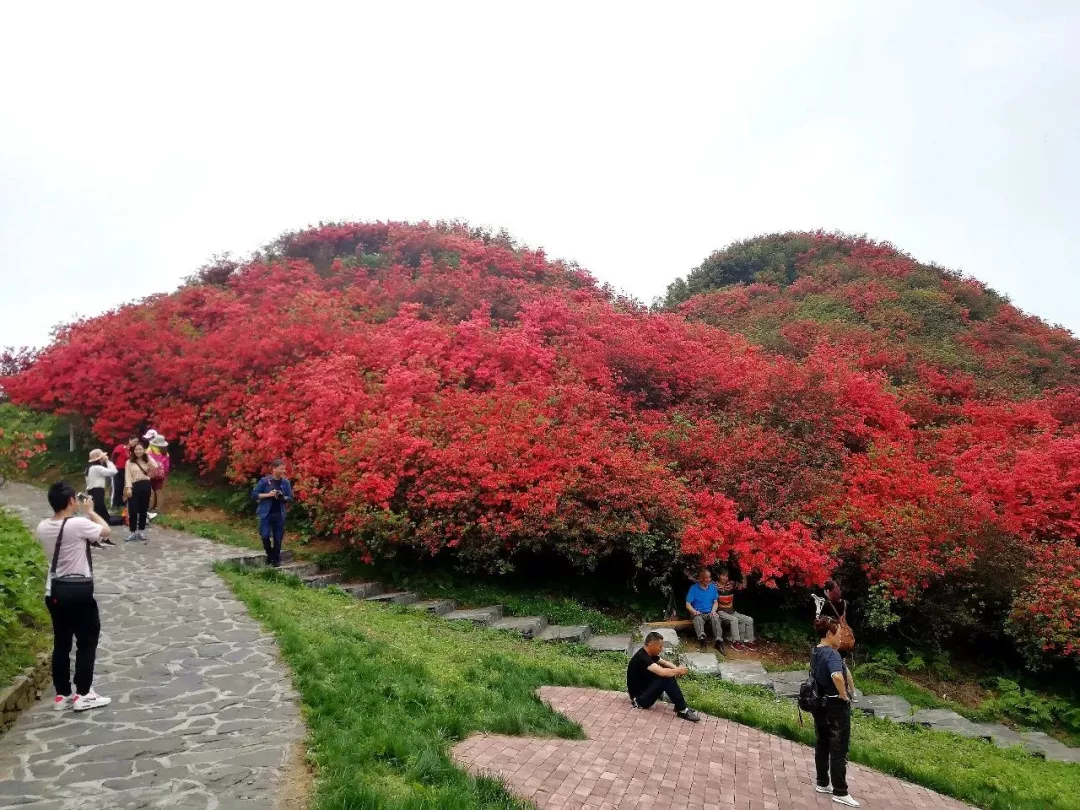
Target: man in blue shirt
(272,493)
(701,604)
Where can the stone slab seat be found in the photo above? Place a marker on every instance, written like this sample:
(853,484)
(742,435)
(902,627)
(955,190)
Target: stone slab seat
(362,590)
(565,632)
(527,626)
(672,624)
(436,607)
(611,643)
(483,617)
(322,580)
(395,598)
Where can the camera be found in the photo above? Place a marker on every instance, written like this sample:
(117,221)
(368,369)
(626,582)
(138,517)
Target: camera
(82,497)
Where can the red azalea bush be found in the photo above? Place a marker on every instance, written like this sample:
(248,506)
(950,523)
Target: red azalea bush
(815,401)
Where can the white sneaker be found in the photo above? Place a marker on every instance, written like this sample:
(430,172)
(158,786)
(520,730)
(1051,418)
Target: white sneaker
(847,799)
(92,700)
(820,789)
(130,538)
(151,515)
(61,702)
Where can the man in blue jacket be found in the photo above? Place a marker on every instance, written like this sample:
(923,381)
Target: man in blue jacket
(273,492)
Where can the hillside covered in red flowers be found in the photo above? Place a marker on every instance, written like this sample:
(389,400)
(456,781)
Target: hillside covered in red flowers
(804,404)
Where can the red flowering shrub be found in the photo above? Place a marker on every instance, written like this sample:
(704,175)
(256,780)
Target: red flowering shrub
(815,401)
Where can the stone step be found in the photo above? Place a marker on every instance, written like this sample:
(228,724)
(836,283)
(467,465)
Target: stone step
(890,707)
(322,580)
(483,617)
(788,684)
(1047,747)
(947,720)
(437,607)
(1001,735)
(527,626)
(701,663)
(565,632)
(258,560)
(362,590)
(611,643)
(395,598)
(300,569)
(671,638)
(746,673)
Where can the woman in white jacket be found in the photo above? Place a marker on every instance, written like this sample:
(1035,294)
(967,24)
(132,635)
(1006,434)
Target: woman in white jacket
(98,474)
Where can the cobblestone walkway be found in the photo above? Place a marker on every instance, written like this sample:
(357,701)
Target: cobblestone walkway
(203,713)
(650,759)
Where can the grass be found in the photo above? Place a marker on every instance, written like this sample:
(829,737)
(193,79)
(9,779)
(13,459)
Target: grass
(387,691)
(24,622)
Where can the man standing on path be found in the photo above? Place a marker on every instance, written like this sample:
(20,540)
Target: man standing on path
(69,594)
(701,602)
(273,492)
(648,676)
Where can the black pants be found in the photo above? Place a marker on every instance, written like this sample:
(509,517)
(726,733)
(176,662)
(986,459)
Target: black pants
(138,505)
(660,686)
(118,489)
(74,619)
(98,494)
(832,725)
(272,532)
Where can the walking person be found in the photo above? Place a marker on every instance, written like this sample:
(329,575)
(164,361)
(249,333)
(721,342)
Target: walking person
(273,492)
(69,594)
(832,717)
(137,490)
(99,471)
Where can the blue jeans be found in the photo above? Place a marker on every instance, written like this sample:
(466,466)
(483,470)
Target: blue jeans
(272,526)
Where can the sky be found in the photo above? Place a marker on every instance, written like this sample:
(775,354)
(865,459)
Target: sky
(139,140)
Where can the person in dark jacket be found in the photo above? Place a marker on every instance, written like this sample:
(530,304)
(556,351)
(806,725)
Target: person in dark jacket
(648,676)
(832,719)
(273,492)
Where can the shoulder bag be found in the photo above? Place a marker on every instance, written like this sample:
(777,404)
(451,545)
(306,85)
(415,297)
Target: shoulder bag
(68,589)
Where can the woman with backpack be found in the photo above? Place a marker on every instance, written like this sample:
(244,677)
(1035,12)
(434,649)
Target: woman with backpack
(832,712)
(137,490)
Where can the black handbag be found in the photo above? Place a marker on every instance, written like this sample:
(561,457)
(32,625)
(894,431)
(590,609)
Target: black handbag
(69,589)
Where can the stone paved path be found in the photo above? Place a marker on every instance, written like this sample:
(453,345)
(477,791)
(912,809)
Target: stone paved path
(203,713)
(650,759)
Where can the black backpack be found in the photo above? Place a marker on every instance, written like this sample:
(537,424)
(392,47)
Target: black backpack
(809,699)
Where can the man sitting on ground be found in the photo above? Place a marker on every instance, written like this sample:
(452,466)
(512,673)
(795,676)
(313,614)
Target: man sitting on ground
(742,626)
(648,676)
(701,602)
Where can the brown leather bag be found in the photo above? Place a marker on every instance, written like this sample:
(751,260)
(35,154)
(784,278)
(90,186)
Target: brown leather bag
(847,636)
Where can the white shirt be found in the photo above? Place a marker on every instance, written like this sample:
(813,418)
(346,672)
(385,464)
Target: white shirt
(74,559)
(98,476)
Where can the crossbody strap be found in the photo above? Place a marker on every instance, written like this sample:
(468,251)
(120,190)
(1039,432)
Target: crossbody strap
(56,550)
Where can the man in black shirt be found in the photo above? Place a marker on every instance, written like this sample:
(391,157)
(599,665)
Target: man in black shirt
(648,676)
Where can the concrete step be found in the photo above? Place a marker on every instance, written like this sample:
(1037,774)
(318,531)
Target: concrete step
(947,720)
(322,580)
(362,590)
(482,617)
(671,638)
(258,560)
(565,632)
(891,707)
(746,673)
(1047,747)
(1001,735)
(611,643)
(437,607)
(788,684)
(701,663)
(300,569)
(396,598)
(527,626)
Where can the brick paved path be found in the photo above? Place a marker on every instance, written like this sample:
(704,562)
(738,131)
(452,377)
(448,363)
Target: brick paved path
(651,759)
(203,714)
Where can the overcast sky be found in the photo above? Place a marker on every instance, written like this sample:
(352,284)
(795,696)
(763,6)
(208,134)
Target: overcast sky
(136,141)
